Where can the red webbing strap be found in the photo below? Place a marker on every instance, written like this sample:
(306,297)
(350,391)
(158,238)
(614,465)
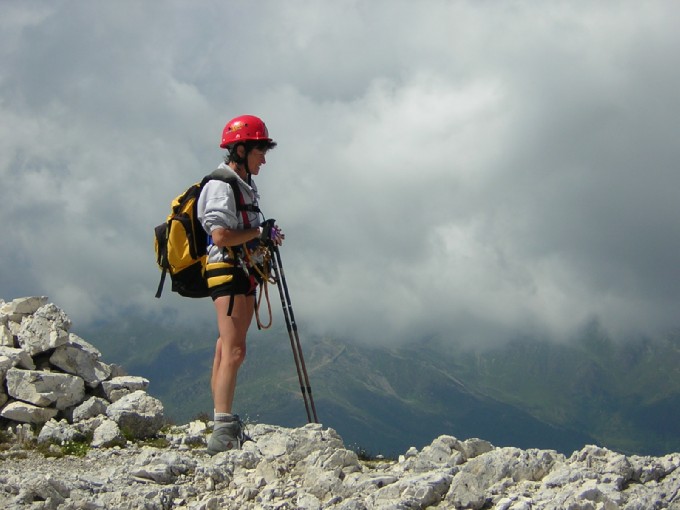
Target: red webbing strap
(241,202)
(246,224)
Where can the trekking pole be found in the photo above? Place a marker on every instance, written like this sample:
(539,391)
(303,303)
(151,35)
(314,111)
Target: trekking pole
(303,378)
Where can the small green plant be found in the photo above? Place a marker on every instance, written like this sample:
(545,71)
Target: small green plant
(54,449)
(128,433)
(156,442)
(195,442)
(30,444)
(168,428)
(365,456)
(75,448)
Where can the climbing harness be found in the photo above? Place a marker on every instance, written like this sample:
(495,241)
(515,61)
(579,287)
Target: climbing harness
(264,269)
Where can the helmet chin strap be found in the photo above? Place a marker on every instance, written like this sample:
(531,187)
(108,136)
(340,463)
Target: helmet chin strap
(249,175)
(247,170)
(243,162)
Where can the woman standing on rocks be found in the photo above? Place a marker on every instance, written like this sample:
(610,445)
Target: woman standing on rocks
(231,217)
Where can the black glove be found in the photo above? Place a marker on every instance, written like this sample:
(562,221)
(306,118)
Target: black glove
(269,231)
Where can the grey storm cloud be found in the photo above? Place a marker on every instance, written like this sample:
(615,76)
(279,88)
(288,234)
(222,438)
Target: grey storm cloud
(460,169)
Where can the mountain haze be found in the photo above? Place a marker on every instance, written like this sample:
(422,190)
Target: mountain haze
(526,393)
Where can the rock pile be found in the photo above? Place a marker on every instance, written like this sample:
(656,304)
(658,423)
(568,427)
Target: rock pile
(53,377)
(56,379)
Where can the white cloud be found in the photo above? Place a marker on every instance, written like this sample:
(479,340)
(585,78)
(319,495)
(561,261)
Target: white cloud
(461,169)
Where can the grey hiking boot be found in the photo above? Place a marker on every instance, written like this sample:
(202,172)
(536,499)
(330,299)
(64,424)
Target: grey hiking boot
(227,435)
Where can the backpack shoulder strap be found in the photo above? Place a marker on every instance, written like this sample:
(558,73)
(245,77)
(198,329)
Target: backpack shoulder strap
(220,174)
(223,175)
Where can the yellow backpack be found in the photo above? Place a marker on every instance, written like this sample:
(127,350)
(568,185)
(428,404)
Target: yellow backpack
(181,242)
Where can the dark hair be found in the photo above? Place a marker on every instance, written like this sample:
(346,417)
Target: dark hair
(263,145)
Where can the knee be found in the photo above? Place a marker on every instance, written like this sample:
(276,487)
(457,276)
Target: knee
(237,355)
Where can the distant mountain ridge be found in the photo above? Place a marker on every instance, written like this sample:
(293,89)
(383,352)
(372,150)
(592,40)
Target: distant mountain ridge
(524,393)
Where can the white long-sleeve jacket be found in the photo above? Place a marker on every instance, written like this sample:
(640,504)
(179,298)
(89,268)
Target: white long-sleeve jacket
(216,208)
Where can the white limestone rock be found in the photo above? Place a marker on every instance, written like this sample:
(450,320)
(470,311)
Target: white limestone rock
(74,359)
(93,406)
(59,432)
(6,335)
(137,414)
(45,389)
(54,315)
(107,435)
(87,427)
(5,364)
(45,329)
(50,489)
(19,357)
(118,387)
(20,307)
(162,467)
(194,434)
(27,413)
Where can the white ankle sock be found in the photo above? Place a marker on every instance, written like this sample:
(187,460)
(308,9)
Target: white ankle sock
(223,416)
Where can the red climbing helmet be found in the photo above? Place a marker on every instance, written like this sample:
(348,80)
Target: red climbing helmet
(242,129)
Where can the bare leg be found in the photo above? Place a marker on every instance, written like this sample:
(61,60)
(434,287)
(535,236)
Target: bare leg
(216,364)
(231,349)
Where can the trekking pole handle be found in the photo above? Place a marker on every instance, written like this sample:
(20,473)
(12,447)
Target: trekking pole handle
(270,233)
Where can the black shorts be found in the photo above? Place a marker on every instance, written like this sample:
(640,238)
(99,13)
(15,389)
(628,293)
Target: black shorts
(241,283)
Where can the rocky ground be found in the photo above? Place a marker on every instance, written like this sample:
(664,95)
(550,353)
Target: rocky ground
(309,468)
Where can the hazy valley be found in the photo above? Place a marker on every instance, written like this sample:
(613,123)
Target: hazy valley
(524,393)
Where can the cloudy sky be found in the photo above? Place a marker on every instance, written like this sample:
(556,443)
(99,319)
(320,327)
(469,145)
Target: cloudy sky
(466,169)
